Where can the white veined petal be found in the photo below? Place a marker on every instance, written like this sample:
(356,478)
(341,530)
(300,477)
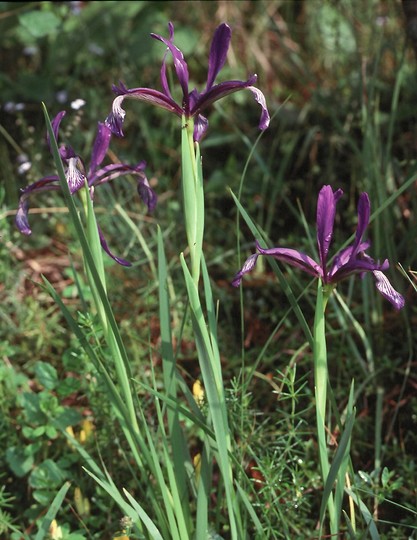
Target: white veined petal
(75,178)
(387,290)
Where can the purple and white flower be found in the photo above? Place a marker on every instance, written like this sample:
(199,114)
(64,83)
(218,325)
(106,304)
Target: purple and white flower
(194,102)
(77,175)
(348,261)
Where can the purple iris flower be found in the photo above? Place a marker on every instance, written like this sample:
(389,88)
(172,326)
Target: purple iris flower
(194,102)
(76,175)
(351,260)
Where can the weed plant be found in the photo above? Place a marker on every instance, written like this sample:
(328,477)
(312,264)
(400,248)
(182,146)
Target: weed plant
(339,82)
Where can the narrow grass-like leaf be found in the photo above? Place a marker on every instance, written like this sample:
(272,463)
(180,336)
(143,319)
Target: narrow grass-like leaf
(103,479)
(215,395)
(199,202)
(283,282)
(180,453)
(255,520)
(338,469)
(111,489)
(115,338)
(193,195)
(194,416)
(351,530)
(345,460)
(204,475)
(167,496)
(142,241)
(135,440)
(212,324)
(366,514)
(179,491)
(52,512)
(143,516)
(320,382)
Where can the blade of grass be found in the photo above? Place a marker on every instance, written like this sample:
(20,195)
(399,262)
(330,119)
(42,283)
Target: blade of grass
(338,470)
(283,282)
(143,516)
(115,338)
(52,512)
(215,396)
(366,514)
(180,452)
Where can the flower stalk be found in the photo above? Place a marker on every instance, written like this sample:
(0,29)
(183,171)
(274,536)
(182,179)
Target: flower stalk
(193,195)
(321,378)
(91,243)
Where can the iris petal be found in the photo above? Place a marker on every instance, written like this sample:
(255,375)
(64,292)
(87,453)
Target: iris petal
(293,258)
(218,52)
(48,183)
(100,146)
(194,102)
(74,175)
(326,211)
(180,64)
(260,99)
(106,248)
(387,290)
(248,266)
(55,123)
(21,219)
(115,119)
(349,261)
(200,127)
(364,212)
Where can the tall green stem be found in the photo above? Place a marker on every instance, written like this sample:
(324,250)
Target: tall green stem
(193,195)
(204,320)
(321,381)
(120,366)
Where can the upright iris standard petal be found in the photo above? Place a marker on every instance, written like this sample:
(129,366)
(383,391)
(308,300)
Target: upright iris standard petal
(56,121)
(349,261)
(76,176)
(180,65)
(218,53)
(364,213)
(193,102)
(326,212)
(100,146)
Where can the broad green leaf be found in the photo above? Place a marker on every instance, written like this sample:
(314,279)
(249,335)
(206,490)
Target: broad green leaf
(39,23)
(46,375)
(19,461)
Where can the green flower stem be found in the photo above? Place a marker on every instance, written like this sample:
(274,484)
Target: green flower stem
(193,195)
(92,255)
(204,320)
(321,381)
(93,240)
